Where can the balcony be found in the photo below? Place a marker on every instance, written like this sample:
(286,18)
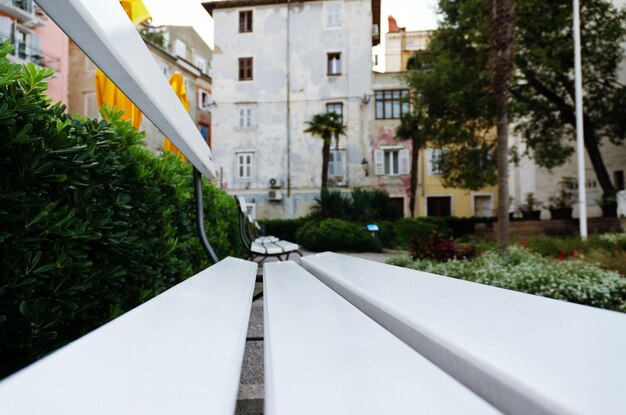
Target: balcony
(21,10)
(23,53)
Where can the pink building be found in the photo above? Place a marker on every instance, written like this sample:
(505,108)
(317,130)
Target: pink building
(36,39)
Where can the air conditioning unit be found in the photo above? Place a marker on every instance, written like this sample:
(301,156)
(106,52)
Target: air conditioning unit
(275,195)
(275,183)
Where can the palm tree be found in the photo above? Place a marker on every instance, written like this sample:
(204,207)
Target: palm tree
(412,128)
(501,33)
(326,126)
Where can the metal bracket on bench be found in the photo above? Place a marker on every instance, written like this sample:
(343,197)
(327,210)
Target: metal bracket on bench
(204,241)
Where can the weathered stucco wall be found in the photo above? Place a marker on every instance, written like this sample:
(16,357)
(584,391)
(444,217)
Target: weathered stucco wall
(310,89)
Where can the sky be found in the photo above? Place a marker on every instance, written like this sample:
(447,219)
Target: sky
(412,14)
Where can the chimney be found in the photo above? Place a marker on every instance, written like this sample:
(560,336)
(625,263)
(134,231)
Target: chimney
(393,25)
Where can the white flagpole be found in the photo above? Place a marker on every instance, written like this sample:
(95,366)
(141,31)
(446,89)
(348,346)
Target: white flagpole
(580,146)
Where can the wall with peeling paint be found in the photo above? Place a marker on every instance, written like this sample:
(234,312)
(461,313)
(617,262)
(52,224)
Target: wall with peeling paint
(310,40)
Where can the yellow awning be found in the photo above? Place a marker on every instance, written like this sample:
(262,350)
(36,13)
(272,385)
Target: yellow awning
(178,85)
(106,91)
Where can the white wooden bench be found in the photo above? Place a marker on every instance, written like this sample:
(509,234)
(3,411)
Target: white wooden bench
(324,356)
(524,354)
(371,339)
(179,353)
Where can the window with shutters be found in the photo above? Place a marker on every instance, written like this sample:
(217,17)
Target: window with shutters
(336,163)
(180,49)
(244,165)
(333,14)
(334,64)
(434,162)
(245,21)
(391,104)
(245,117)
(391,161)
(245,69)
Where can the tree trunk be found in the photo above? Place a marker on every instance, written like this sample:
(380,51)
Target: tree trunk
(501,34)
(503,172)
(325,160)
(593,151)
(415,151)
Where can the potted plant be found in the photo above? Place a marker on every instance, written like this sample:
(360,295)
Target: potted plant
(561,203)
(608,203)
(531,210)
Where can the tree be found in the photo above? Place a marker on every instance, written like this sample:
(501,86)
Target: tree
(458,92)
(501,32)
(413,126)
(326,126)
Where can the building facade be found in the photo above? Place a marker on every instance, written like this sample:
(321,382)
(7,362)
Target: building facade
(392,156)
(276,64)
(38,40)
(175,49)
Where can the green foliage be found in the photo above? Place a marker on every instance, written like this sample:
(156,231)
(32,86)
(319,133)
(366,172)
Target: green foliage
(457,93)
(361,206)
(521,270)
(284,229)
(91,223)
(337,235)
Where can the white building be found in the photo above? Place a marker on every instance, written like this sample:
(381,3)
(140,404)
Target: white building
(275,65)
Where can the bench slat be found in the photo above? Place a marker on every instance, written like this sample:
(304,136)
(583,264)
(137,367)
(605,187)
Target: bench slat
(525,354)
(324,356)
(179,353)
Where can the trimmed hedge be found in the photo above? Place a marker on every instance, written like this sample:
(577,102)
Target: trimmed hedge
(91,223)
(284,229)
(522,270)
(337,235)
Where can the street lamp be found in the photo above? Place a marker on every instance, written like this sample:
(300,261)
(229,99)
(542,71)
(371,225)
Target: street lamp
(366,167)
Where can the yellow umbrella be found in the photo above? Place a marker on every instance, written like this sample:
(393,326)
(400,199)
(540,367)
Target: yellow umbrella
(178,85)
(136,11)
(106,91)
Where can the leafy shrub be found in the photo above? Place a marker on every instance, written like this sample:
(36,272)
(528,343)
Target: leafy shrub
(361,205)
(611,240)
(284,229)
(337,235)
(419,228)
(439,248)
(521,270)
(91,223)
(387,234)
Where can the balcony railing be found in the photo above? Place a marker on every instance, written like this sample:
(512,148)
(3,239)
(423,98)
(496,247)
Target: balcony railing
(27,53)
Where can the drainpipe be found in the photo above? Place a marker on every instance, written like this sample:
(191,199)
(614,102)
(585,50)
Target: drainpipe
(288,101)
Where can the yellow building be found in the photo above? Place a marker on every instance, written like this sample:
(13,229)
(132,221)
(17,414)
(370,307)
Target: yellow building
(391,156)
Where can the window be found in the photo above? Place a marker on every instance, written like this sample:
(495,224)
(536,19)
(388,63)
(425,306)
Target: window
(245,69)
(391,104)
(334,63)
(245,117)
(439,206)
(336,163)
(333,14)
(391,161)
(203,100)
(337,108)
(180,49)
(245,21)
(483,206)
(204,132)
(90,104)
(201,64)
(434,162)
(618,177)
(244,165)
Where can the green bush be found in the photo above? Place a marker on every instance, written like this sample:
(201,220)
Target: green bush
(522,270)
(284,229)
(91,223)
(420,228)
(360,205)
(337,235)
(387,234)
